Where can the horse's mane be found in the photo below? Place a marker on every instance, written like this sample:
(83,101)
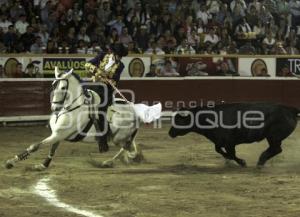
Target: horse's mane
(77,77)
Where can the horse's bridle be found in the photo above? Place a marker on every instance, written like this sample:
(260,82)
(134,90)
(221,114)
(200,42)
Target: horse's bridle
(68,108)
(54,85)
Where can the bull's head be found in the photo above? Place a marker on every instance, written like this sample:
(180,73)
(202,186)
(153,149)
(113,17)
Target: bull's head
(182,123)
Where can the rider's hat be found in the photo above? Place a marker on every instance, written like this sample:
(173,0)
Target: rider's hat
(119,49)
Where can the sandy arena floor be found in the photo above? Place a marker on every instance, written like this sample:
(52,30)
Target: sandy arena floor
(183,177)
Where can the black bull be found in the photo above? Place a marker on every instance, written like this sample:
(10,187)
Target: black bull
(228,125)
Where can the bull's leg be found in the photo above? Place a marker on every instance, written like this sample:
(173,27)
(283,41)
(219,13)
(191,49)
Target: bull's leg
(274,149)
(230,149)
(32,148)
(219,149)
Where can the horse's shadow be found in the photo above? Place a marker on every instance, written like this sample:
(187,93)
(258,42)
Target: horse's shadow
(185,169)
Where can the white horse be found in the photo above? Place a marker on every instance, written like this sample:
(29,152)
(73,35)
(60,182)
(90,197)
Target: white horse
(73,120)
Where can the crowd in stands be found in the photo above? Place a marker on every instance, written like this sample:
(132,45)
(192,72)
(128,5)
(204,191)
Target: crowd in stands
(151,27)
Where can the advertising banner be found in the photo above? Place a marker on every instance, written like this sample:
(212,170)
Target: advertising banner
(257,67)
(44,66)
(286,67)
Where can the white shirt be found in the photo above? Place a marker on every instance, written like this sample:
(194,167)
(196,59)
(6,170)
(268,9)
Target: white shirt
(213,39)
(4,25)
(295,8)
(158,51)
(204,16)
(214,6)
(21,26)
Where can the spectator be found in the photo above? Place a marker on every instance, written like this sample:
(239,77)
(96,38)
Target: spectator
(16,11)
(220,16)
(4,22)
(94,48)
(153,25)
(185,48)
(113,37)
(211,36)
(252,16)
(18,73)
(10,39)
(278,49)
(269,42)
(51,47)
(125,38)
(213,6)
(81,47)
(203,14)
(194,39)
(180,35)
(232,48)
(247,49)
(104,12)
(152,72)
(291,48)
(240,6)
(259,30)
(21,25)
(30,71)
(168,71)
(28,38)
(265,16)
(142,38)
(133,49)
(117,23)
(224,70)
(154,49)
(83,36)
(295,11)
(43,34)
(37,47)
(242,29)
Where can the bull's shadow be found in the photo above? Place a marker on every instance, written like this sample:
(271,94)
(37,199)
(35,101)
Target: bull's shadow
(187,169)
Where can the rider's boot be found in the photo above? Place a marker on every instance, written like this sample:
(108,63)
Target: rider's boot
(102,134)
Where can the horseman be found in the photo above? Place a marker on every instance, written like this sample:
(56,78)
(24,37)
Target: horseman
(106,68)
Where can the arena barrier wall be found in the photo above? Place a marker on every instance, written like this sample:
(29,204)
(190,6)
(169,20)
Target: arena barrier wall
(30,97)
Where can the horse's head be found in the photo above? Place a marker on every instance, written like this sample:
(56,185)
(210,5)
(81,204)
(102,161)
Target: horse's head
(65,89)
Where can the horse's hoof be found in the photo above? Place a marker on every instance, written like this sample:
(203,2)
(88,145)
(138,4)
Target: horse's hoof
(9,164)
(103,148)
(108,164)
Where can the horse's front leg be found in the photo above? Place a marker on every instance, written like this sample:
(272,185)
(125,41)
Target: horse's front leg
(48,159)
(32,148)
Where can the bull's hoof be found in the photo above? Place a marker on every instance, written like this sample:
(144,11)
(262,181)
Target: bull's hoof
(9,164)
(108,164)
(242,163)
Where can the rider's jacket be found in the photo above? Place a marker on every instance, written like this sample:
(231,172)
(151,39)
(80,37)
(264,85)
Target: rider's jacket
(105,66)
